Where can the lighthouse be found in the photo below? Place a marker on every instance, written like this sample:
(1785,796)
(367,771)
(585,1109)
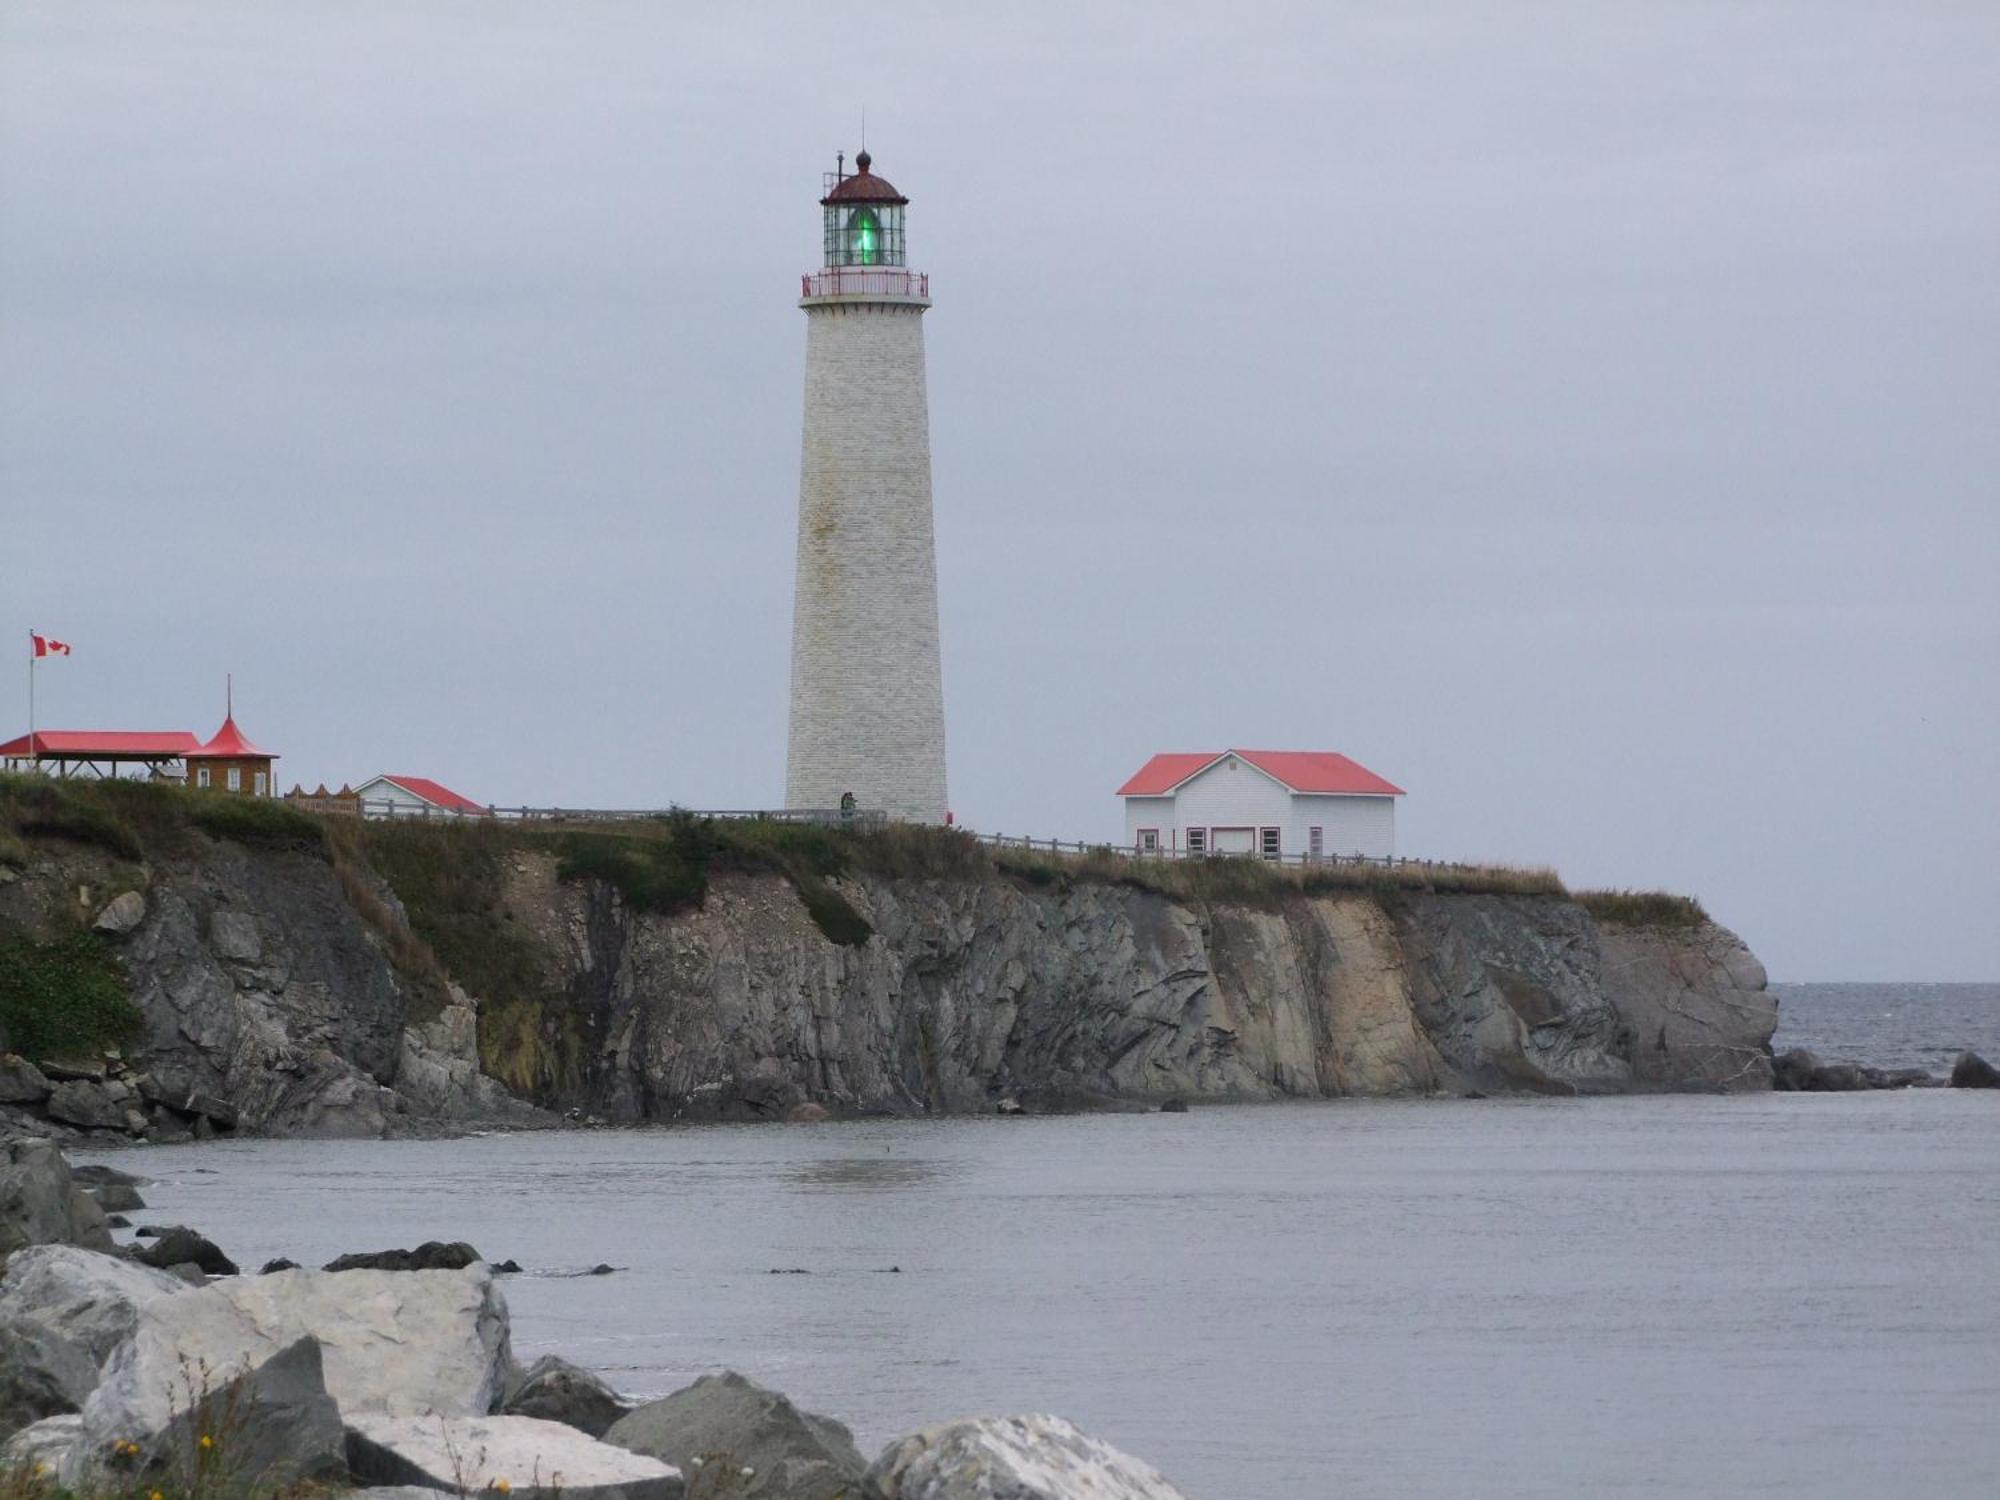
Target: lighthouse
(867,719)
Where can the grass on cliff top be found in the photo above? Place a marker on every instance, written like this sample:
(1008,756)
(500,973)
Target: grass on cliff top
(1642,908)
(1243,880)
(135,819)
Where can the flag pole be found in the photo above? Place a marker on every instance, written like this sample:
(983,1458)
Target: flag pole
(34,762)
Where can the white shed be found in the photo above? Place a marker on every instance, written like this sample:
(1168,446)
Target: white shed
(1274,803)
(415,797)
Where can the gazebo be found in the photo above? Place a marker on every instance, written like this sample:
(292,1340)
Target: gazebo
(98,752)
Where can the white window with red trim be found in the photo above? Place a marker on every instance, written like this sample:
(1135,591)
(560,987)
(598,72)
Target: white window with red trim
(1197,841)
(1316,842)
(1268,843)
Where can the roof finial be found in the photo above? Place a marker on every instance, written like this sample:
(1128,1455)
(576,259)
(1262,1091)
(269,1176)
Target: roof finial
(862,159)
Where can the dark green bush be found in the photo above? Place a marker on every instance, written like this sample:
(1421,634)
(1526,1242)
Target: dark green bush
(44,807)
(1642,908)
(66,997)
(667,874)
(832,913)
(260,821)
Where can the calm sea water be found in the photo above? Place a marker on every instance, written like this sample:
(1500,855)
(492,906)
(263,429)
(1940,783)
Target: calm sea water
(1782,1295)
(1891,1025)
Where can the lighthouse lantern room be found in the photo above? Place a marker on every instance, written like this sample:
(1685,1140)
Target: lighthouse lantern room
(864,218)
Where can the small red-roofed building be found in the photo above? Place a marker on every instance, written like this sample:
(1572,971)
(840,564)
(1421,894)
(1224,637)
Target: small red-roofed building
(228,762)
(1271,803)
(415,797)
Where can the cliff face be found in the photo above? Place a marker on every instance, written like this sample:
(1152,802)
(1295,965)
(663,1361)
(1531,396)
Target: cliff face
(973,992)
(268,994)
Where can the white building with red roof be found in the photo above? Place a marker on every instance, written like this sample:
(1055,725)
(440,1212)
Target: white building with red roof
(1274,803)
(415,797)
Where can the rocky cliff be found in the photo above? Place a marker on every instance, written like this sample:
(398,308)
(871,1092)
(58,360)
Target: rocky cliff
(970,993)
(302,986)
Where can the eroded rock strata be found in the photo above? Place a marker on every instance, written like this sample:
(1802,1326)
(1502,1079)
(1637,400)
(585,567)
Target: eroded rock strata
(276,995)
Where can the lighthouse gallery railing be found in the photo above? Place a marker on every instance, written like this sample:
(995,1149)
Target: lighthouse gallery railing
(865,281)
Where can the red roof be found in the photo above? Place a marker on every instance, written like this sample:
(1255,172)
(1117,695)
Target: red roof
(437,794)
(105,744)
(229,744)
(1316,772)
(864,187)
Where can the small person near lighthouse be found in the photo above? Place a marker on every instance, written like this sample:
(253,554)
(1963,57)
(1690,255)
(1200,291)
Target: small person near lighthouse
(867,712)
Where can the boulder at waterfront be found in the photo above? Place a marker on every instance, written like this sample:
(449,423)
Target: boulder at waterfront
(21,1082)
(42,1374)
(432,1255)
(269,1420)
(476,1455)
(179,1246)
(1972,1071)
(42,1447)
(790,1454)
(41,1205)
(1021,1458)
(1800,1071)
(91,1299)
(406,1343)
(557,1391)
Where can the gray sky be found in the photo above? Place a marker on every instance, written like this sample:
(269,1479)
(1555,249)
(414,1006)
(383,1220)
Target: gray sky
(1584,415)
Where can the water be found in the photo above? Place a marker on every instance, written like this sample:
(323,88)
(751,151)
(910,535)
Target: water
(1891,1025)
(1788,1294)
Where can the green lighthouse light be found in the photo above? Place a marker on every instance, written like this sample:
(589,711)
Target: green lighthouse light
(866,250)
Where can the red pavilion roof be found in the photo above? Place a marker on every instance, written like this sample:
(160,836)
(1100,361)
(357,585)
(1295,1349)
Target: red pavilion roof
(104,744)
(229,744)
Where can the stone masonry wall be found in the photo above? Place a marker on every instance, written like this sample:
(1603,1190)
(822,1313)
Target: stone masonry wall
(867,713)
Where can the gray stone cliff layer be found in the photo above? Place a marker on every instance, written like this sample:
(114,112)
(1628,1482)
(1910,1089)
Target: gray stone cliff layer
(268,999)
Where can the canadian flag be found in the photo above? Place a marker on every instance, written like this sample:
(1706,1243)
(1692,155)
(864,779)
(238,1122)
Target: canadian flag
(43,646)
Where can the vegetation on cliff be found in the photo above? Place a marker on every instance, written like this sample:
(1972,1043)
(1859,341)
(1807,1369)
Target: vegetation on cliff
(63,997)
(1641,908)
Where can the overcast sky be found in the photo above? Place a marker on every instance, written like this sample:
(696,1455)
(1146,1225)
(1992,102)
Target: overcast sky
(1587,416)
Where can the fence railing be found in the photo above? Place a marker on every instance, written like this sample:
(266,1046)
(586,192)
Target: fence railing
(369,807)
(865,281)
(834,817)
(1128,851)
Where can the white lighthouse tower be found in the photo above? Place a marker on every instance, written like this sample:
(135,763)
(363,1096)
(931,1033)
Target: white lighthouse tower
(867,691)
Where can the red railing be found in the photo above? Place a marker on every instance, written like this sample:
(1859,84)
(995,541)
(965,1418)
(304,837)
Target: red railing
(866,281)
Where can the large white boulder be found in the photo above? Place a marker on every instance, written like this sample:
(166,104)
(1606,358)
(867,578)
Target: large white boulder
(91,1299)
(40,1450)
(475,1455)
(1013,1458)
(405,1343)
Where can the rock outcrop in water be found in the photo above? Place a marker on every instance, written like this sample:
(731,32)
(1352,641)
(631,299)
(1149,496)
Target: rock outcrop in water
(278,992)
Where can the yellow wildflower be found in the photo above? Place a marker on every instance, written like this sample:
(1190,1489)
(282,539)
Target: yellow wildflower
(207,1442)
(503,1486)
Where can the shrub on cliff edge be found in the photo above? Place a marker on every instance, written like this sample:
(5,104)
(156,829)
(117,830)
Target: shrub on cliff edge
(63,997)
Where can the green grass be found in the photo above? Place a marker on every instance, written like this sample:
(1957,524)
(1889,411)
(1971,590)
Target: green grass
(262,822)
(1642,908)
(1245,881)
(63,997)
(42,807)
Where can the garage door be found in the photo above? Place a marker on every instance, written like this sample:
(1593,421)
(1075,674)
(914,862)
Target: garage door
(1235,840)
